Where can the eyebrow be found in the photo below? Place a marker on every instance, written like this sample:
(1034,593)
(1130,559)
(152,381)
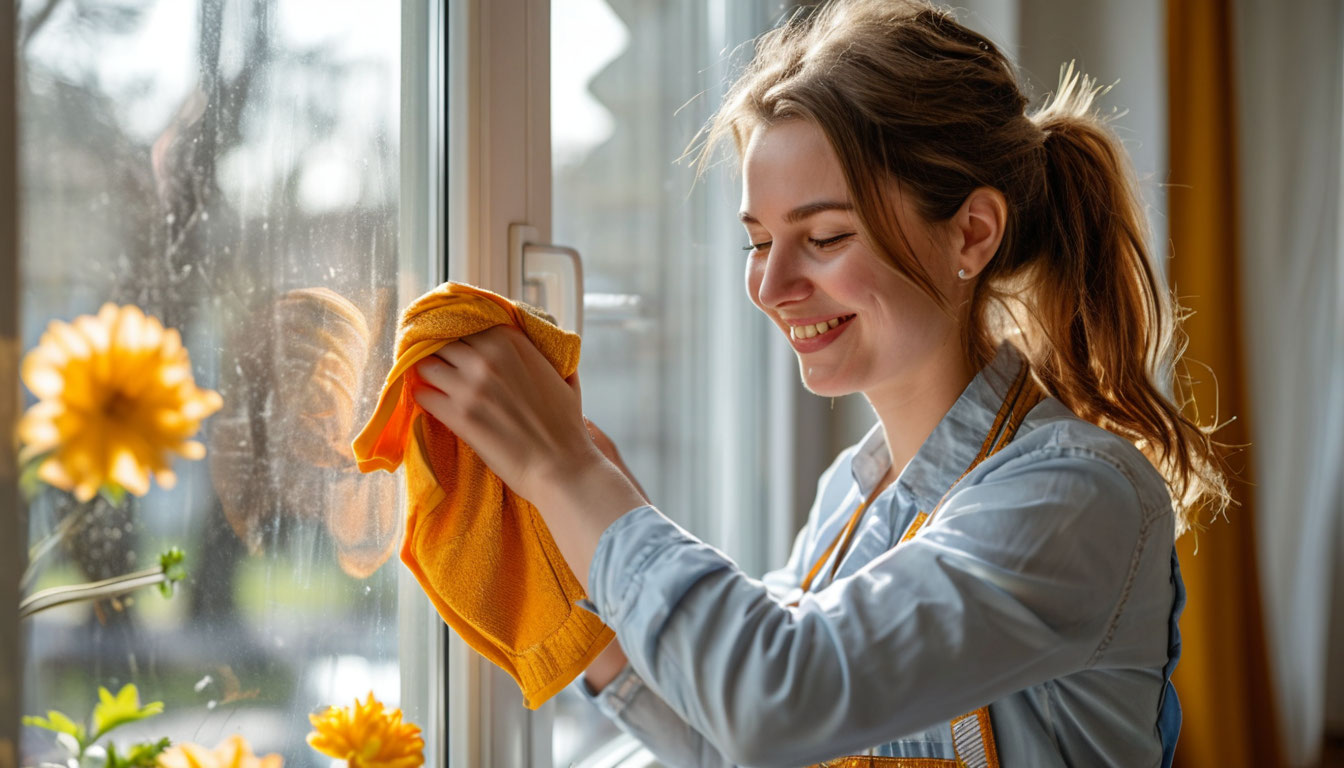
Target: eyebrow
(802,211)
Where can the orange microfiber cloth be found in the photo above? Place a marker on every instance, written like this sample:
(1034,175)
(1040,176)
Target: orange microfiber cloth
(482,553)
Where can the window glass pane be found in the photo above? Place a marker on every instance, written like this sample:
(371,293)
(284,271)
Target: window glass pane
(674,355)
(230,167)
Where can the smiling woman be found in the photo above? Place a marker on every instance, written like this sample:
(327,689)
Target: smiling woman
(1000,579)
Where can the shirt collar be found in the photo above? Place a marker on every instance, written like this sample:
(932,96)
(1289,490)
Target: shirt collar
(954,442)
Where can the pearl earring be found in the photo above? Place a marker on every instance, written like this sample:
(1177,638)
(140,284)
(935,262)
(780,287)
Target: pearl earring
(962,274)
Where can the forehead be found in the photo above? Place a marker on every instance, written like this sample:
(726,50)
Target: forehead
(786,165)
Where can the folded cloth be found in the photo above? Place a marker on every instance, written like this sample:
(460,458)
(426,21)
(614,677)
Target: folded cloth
(482,553)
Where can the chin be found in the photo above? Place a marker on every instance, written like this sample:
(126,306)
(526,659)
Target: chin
(825,385)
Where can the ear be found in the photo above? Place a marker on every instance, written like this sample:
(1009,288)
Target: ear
(978,228)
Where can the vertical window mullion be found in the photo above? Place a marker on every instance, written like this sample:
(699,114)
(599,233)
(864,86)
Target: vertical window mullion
(13,530)
(422,634)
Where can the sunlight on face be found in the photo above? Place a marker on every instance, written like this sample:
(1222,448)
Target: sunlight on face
(855,324)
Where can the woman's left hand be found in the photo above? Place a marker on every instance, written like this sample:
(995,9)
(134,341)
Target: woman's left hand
(497,392)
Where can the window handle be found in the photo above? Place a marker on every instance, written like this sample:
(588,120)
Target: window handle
(550,276)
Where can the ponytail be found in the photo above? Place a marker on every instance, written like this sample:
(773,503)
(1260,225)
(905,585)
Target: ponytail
(1104,329)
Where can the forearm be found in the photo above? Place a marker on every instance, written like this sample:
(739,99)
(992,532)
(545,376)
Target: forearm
(580,506)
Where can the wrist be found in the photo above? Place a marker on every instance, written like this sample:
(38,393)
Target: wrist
(580,507)
(605,667)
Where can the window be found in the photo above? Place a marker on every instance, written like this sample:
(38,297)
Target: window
(276,179)
(231,167)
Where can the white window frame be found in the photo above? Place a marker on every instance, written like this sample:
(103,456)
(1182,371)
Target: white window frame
(498,165)
(422,637)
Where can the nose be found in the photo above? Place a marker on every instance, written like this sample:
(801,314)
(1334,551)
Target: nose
(778,277)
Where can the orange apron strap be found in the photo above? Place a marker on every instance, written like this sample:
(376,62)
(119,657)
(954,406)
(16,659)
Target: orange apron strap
(993,441)
(973,740)
(873,761)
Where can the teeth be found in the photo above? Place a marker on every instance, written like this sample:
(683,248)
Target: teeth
(809,331)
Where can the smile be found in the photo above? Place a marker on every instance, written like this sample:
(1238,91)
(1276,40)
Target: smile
(817,329)
(811,337)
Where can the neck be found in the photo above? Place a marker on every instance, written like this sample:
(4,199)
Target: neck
(909,407)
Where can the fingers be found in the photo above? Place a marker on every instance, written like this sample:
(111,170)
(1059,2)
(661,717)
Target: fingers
(432,400)
(497,340)
(474,357)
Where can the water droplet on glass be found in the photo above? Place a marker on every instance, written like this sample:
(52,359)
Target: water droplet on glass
(211,704)
(170,218)
(205,215)
(204,681)
(367,589)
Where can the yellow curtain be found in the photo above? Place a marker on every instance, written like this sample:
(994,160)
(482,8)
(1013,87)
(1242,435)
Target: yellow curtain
(1222,678)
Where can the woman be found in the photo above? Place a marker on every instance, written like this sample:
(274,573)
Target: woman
(989,576)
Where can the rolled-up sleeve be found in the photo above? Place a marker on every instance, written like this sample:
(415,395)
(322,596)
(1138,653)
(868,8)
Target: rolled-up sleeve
(1019,579)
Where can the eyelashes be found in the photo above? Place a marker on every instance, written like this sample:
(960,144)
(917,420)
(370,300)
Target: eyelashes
(823,243)
(830,240)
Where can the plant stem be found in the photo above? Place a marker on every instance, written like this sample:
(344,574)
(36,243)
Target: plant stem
(117,585)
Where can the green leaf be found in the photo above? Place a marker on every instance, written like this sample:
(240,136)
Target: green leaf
(142,755)
(57,722)
(29,483)
(112,711)
(114,493)
(174,571)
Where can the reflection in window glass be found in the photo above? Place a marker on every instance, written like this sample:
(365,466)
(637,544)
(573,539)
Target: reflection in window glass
(230,167)
(674,355)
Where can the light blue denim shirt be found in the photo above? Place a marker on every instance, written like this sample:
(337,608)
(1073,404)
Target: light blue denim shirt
(1047,587)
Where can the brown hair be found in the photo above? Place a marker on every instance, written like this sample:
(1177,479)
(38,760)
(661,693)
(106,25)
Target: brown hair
(902,91)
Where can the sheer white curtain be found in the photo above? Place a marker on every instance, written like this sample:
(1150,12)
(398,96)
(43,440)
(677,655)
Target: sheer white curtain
(1290,89)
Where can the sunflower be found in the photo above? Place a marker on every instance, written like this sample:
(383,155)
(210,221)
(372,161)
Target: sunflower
(367,736)
(233,752)
(116,401)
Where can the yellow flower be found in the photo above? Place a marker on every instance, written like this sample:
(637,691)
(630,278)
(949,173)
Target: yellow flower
(233,752)
(367,736)
(116,400)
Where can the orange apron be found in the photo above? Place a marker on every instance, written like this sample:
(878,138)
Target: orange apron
(972,734)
